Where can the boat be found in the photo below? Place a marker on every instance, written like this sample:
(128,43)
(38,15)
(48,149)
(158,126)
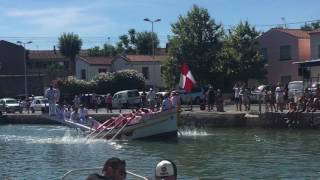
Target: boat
(150,125)
(156,125)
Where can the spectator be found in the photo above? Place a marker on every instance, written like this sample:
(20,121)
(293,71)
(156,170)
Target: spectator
(109,103)
(279,98)
(210,98)
(166,170)
(166,103)
(219,101)
(151,98)
(143,99)
(236,90)
(76,101)
(113,169)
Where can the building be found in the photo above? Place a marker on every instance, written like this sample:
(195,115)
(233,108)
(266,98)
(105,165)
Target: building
(282,47)
(88,67)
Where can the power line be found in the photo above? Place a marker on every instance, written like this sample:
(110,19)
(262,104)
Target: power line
(281,24)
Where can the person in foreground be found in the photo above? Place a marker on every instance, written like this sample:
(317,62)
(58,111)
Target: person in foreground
(166,170)
(113,169)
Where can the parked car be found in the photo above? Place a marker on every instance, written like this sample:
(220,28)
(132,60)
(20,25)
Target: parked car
(196,95)
(295,89)
(10,105)
(259,91)
(313,87)
(39,105)
(126,98)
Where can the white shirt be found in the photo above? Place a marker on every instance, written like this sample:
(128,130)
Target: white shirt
(279,92)
(236,92)
(175,101)
(151,96)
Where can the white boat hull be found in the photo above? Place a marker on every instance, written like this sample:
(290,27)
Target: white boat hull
(160,125)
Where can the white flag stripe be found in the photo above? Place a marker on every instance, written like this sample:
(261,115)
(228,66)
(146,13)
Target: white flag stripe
(189,75)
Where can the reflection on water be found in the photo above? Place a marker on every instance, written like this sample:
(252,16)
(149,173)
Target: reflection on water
(47,152)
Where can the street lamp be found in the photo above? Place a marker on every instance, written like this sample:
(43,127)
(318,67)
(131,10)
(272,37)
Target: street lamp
(25,66)
(148,20)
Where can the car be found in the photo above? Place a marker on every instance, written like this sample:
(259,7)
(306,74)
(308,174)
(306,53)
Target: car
(126,98)
(295,90)
(258,93)
(10,105)
(39,105)
(196,95)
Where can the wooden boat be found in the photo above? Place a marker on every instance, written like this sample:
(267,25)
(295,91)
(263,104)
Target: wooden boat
(153,125)
(157,125)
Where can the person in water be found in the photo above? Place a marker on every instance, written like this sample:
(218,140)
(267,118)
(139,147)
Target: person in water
(166,170)
(113,169)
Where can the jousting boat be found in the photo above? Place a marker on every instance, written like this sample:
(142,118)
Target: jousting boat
(139,125)
(142,124)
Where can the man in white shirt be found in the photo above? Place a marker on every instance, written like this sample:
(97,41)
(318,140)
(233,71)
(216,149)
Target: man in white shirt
(151,98)
(53,97)
(166,103)
(279,97)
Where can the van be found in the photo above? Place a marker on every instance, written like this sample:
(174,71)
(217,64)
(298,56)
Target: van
(295,90)
(126,98)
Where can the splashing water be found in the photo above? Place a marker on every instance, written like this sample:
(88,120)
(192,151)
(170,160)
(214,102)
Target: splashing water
(192,132)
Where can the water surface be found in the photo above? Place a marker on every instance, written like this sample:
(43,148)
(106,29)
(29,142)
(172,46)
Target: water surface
(47,152)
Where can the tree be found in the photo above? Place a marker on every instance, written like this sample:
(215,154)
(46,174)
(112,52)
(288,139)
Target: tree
(143,42)
(311,26)
(95,51)
(70,46)
(196,41)
(241,57)
(170,73)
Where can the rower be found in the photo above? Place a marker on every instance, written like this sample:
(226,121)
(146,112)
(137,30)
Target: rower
(166,103)
(83,114)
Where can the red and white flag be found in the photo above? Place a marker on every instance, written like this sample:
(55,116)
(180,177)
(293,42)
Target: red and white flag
(186,79)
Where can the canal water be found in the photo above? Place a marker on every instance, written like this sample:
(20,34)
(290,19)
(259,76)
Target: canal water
(47,152)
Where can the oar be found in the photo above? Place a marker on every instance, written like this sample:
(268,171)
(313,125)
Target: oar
(122,128)
(100,126)
(105,127)
(116,125)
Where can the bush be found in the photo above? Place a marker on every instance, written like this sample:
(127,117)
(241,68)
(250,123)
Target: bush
(103,83)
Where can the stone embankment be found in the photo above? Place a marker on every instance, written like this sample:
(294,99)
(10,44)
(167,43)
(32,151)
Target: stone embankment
(204,119)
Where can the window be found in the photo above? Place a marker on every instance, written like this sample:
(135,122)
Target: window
(285,79)
(83,74)
(102,70)
(264,53)
(285,53)
(145,72)
(319,51)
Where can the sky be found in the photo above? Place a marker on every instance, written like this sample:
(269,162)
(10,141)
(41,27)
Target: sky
(103,21)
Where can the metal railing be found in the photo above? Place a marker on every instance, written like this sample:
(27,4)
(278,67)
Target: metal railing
(74,171)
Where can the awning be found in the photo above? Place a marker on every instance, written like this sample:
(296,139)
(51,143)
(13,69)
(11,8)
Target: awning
(311,63)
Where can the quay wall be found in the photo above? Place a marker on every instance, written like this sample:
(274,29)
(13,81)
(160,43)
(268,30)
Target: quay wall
(204,119)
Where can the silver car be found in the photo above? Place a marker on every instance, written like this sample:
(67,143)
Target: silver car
(10,105)
(39,105)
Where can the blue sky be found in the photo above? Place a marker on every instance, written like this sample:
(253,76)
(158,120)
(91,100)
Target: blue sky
(42,21)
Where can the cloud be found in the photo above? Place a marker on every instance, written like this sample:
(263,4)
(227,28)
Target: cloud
(79,20)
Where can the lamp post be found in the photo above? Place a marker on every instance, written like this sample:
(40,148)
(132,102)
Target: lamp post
(148,20)
(25,66)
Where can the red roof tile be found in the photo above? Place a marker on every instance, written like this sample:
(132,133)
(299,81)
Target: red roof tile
(296,33)
(315,31)
(49,54)
(97,60)
(145,58)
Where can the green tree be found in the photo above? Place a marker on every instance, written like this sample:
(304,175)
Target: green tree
(70,46)
(144,42)
(311,26)
(241,56)
(170,73)
(95,51)
(109,50)
(196,41)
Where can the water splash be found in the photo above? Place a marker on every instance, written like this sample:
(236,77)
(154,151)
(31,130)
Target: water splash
(192,132)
